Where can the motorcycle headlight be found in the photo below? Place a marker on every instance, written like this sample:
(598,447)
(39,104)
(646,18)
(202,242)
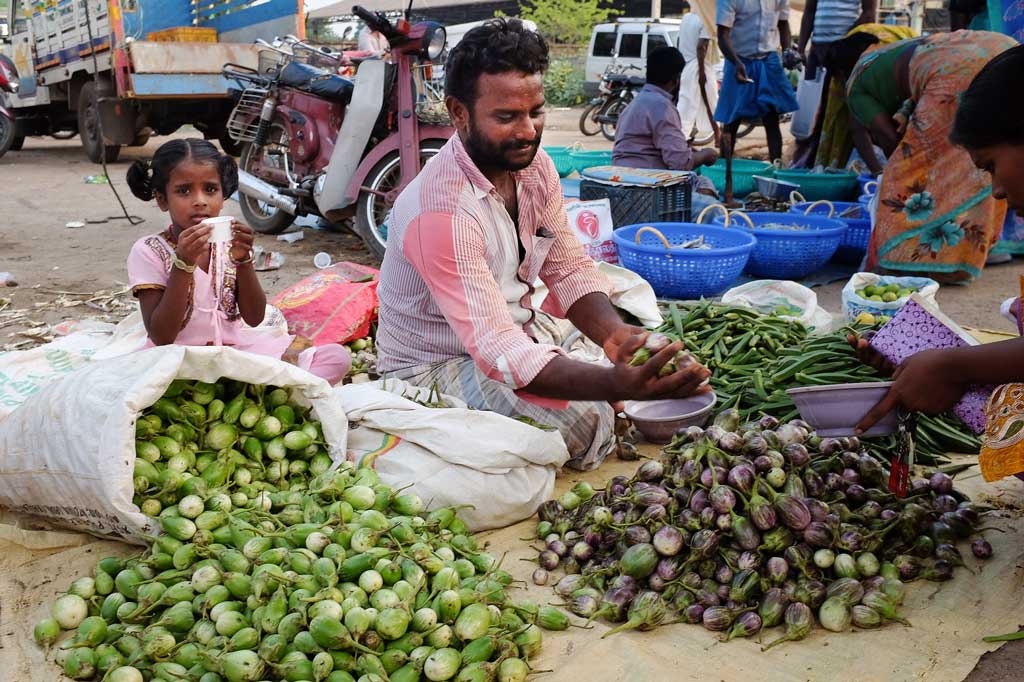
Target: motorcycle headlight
(434,41)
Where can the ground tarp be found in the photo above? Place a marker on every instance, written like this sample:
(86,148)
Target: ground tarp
(949,619)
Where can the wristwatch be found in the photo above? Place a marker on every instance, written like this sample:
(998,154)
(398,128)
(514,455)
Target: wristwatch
(182,265)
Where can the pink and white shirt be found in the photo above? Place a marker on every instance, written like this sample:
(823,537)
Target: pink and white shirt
(453,283)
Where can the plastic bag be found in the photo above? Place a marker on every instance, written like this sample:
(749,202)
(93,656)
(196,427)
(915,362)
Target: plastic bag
(783,298)
(502,467)
(69,450)
(334,305)
(808,97)
(855,304)
(591,221)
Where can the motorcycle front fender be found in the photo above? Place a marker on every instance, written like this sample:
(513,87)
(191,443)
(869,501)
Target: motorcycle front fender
(6,112)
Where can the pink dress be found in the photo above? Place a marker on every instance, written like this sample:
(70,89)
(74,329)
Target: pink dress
(212,317)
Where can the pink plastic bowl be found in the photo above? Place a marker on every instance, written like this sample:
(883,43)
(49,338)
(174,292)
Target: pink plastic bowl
(833,411)
(658,420)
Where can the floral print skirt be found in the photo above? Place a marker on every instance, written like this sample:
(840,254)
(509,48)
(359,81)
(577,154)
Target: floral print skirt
(936,215)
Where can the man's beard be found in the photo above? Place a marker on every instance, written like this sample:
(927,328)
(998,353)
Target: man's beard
(487,154)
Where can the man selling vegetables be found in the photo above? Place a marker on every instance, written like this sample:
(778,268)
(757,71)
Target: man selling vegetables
(467,240)
(934,380)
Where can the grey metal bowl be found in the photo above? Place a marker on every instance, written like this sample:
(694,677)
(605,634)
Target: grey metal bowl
(658,420)
(834,410)
(774,189)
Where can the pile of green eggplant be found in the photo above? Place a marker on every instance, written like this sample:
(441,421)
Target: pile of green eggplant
(744,527)
(306,573)
(756,358)
(233,437)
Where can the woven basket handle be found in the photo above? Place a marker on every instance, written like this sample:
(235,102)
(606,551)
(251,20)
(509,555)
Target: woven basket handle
(656,232)
(871,187)
(822,202)
(576,146)
(796,198)
(722,208)
(744,216)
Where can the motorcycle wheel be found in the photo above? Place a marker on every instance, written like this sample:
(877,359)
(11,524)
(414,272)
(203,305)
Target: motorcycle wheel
(263,217)
(701,141)
(7,134)
(745,129)
(608,129)
(588,119)
(88,127)
(372,208)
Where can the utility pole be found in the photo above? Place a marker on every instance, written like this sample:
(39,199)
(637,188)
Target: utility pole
(656,9)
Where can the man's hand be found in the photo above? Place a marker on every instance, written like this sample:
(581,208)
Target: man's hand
(741,74)
(705,157)
(642,382)
(924,382)
(622,334)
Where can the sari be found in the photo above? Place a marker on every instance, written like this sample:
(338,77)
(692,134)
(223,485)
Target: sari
(936,214)
(836,143)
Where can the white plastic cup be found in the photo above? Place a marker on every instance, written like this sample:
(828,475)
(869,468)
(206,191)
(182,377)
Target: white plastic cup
(322,260)
(221,228)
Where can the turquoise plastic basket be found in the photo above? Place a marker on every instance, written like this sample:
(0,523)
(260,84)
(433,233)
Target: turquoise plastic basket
(562,157)
(743,172)
(789,254)
(815,186)
(684,273)
(583,160)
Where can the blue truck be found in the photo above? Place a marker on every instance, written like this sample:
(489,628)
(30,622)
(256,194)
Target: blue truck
(133,68)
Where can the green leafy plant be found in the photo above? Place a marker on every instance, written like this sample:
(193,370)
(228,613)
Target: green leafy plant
(563,83)
(568,22)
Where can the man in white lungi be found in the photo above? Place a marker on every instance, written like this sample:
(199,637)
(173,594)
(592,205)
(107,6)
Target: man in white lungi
(694,43)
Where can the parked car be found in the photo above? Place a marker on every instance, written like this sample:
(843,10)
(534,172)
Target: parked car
(625,41)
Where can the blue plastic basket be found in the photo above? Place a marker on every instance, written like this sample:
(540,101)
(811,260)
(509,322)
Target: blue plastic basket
(789,254)
(858,228)
(582,160)
(685,273)
(743,172)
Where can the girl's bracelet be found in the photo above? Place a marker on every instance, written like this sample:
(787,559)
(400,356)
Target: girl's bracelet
(182,265)
(246,261)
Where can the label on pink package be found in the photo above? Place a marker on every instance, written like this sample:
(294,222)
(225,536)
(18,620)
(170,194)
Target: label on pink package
(591,221)
(919,326)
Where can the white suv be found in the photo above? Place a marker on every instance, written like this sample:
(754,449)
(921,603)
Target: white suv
(627,41)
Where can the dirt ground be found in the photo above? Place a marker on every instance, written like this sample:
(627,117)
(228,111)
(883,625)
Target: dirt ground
(43,187)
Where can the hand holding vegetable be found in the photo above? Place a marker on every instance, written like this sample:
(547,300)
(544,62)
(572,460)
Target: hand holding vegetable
(924,382)
(868,355)
(643,380)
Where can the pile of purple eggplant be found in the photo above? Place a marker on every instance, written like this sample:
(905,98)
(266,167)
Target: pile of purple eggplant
(746,527)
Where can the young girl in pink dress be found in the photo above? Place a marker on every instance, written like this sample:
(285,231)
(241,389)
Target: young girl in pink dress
(197,293)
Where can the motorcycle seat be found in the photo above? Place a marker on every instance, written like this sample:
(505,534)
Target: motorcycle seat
(317,82)
(636,82)
(623,79)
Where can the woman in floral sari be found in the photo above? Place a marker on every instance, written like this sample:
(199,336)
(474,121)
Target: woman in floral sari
(836,142)
(936,215)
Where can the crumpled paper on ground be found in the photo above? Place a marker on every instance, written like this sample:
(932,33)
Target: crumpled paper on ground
(944,644)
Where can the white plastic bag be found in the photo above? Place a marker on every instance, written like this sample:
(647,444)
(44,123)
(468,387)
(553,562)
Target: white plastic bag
(808,97)
(69,450)
(591,221)
(854,304)
(784,298)
(503,467)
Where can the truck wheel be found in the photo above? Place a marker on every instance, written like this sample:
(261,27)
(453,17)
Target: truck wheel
(263,217)
(7,134)
(88,128)
(372,208)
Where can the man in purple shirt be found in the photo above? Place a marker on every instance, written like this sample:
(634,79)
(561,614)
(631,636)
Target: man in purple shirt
(649,133)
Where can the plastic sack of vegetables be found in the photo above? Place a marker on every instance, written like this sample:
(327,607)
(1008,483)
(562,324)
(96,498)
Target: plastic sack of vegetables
(784,299)
(434,447)
(883,296)
(69,452)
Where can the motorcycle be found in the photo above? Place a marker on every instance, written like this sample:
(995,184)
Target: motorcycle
(9,138)
(316,143)
(615,91)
